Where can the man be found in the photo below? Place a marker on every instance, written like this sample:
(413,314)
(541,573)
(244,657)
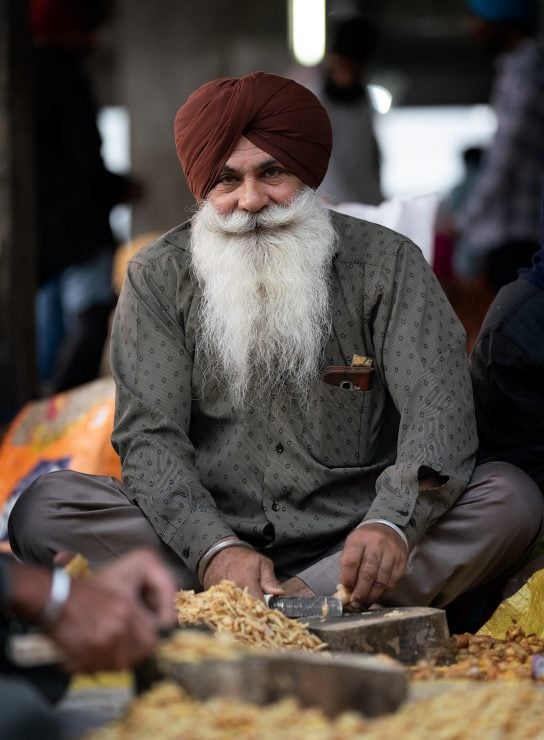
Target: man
(500,223)
(507,368)
(109,620)
(353,175)
(73,187)
(244,457)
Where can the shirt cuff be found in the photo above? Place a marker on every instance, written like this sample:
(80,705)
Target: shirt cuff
(194,538)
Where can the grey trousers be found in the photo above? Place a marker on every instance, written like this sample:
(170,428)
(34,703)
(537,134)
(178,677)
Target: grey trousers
(488,533)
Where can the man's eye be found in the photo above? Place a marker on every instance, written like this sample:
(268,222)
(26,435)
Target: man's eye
(226,180)
(274,171)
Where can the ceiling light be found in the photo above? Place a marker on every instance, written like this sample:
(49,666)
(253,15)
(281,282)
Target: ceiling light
(307,31)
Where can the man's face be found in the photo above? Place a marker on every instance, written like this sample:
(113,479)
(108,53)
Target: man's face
(342,71)
(252,180)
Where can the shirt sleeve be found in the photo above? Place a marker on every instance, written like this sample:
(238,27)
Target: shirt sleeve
(421,355)
(152,368)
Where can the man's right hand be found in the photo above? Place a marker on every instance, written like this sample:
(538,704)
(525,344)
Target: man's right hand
(247,568)
(100,629)
(111,619)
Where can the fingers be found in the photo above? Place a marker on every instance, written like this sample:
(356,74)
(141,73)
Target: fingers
(366,568)
(269,583)
(142,576)
(141,639)
(381,580)
(373,560)
(122,636)
(374,575)
(349,564)
(158,592)
(247,568)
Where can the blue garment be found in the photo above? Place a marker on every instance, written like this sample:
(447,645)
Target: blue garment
(506,10)
(62,299)
(535,274)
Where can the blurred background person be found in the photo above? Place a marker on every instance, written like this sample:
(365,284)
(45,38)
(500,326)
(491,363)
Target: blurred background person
(470,296)
(499,226)
(507,369)
(341,85)
(75,194)
(449,247)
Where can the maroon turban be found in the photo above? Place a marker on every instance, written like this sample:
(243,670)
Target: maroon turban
(275,113)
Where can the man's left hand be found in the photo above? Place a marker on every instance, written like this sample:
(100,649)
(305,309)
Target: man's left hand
(373,560)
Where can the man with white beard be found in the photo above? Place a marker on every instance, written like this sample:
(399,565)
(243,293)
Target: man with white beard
(247,452)
(265,312)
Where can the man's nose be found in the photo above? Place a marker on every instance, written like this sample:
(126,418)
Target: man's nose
(253,196)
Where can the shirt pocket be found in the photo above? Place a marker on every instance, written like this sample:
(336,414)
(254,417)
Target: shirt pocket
(337,432)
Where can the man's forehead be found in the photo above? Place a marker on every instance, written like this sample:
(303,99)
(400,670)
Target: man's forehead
(246,153)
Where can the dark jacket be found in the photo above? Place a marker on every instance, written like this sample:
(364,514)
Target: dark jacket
(507,369)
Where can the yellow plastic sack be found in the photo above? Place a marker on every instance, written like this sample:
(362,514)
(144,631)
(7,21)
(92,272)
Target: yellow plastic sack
(524,609)
(69,430)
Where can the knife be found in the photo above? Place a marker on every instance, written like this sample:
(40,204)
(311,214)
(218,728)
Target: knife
(306,606)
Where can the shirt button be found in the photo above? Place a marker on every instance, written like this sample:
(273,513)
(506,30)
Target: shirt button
(186,553)
(275,506)
(404,512)
(279,448)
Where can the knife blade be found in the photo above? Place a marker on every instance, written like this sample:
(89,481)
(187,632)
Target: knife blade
(306,606)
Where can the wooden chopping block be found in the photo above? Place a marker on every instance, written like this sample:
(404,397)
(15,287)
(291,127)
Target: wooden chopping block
(331,682)
(407,634)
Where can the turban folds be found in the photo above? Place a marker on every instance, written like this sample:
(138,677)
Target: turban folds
(275,113)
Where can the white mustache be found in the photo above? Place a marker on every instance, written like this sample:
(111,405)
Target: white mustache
(272,217)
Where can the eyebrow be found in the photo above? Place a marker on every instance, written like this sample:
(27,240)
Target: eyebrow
(227,169)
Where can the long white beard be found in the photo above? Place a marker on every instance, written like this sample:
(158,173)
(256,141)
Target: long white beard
(265,315)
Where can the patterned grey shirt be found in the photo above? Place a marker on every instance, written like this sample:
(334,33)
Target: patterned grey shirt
(293,485)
